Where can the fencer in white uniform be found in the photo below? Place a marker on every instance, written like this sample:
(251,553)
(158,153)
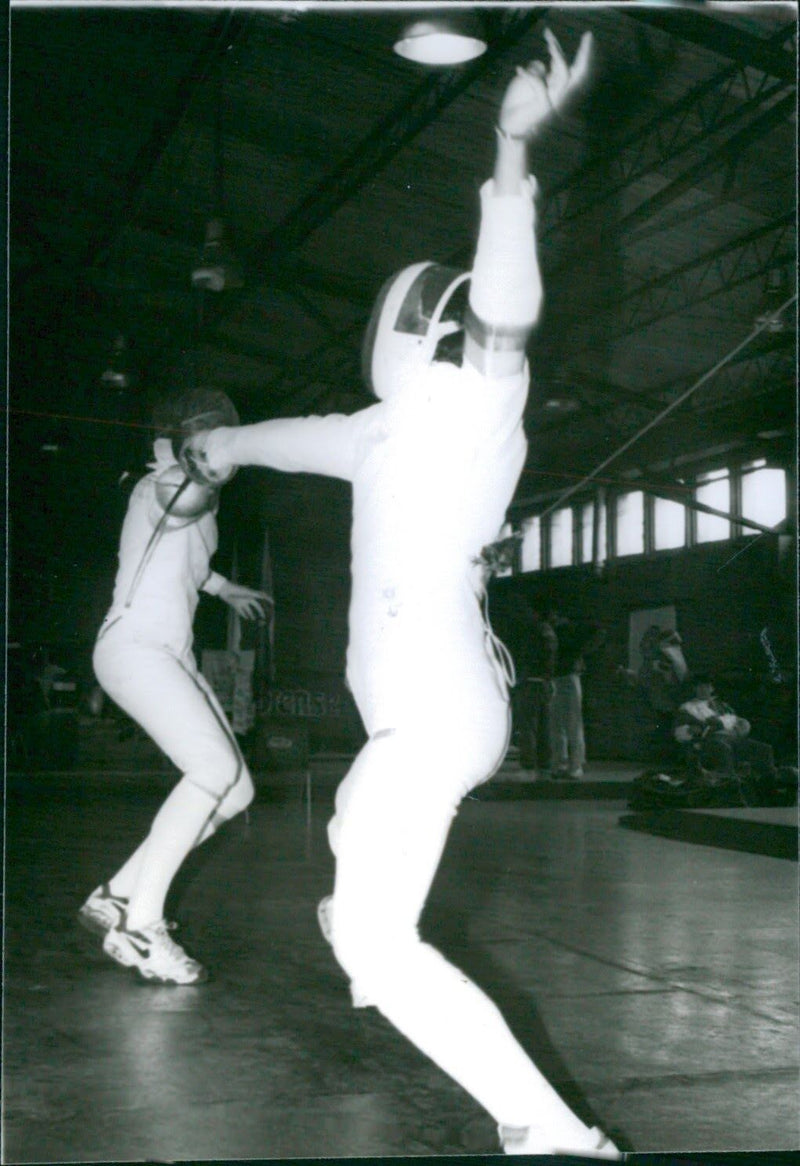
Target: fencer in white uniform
(143,660)
(433,467)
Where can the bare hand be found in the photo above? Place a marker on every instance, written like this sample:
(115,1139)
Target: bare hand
(245,601)
(537,92)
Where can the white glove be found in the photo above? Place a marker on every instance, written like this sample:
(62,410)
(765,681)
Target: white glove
(195,456)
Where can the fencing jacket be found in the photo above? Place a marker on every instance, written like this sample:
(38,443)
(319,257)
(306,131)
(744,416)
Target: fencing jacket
(433,471)
(157,582)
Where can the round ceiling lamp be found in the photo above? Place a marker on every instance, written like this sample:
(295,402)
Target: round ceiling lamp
(453,39)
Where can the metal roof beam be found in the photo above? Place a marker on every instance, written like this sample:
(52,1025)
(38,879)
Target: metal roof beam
(713,34)
(385,141)
(729,150)
(714,273)
(226,28)
(662,140)
(749,378)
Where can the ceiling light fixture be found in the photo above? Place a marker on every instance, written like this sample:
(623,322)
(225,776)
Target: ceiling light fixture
(217,268)
(451,39)
(561,405)
(116,374)
(776,291)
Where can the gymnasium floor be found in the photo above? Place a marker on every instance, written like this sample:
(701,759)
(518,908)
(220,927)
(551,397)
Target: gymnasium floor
(654,980)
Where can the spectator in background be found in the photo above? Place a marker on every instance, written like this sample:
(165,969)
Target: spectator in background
(535,661)
(661,682)
(567,742)
(48,675)
(664,670)
(722,738)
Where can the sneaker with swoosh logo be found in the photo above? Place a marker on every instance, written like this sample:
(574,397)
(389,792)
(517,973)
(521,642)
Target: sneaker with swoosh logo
(153,954)
(102,910)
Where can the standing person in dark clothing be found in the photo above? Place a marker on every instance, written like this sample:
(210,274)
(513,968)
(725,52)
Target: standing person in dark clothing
(567,741)
(535,660)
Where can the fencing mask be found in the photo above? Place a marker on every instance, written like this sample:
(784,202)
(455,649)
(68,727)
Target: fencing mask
(193,411)
(414,310)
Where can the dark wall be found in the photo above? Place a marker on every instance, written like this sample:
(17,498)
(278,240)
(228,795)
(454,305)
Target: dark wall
(307,521)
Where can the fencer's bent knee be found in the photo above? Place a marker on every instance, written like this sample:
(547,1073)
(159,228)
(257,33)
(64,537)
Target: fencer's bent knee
(224,775)
(240,795)
(370,957)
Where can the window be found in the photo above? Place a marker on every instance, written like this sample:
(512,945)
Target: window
(669,524)
(587,531)
(763,495)
(531,550)
(630,523)
(713,490)
(561,537)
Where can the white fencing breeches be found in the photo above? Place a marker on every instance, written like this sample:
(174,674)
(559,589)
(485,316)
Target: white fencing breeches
(165,694)
(393,814)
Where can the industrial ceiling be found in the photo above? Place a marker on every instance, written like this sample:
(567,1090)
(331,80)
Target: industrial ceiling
(666,217)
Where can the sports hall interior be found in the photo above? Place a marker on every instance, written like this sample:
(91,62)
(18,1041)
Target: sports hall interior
(639,934)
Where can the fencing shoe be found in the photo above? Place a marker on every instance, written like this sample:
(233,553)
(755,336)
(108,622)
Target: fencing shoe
(102,910)
(590,1142)
(154,955)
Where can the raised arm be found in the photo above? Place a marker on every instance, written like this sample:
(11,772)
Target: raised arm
(506,290)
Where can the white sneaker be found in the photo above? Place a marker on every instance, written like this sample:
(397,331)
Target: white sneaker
(102,910)
(589,1143)
(153,954)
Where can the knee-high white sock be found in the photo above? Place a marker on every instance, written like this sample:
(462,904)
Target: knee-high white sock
(176,830)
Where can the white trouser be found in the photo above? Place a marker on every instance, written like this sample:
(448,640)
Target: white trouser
(393,813)
(165,694)
(567,744)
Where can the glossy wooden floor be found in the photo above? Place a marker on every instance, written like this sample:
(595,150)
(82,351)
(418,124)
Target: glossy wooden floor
(654,980)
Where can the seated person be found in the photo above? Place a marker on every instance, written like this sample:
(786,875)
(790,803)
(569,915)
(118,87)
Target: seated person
(721,737)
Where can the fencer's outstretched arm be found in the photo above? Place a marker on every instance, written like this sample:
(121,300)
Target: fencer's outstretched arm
(506,290)
(317,445)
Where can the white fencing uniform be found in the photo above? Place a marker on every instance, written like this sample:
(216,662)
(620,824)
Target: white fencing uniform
(433,469)
(143,654)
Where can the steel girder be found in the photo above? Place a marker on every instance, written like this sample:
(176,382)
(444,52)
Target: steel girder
(714,34)
(370,156)
(385,141)
(728,151)
(745,381)
(662,141)
(227,28)
(697,281)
